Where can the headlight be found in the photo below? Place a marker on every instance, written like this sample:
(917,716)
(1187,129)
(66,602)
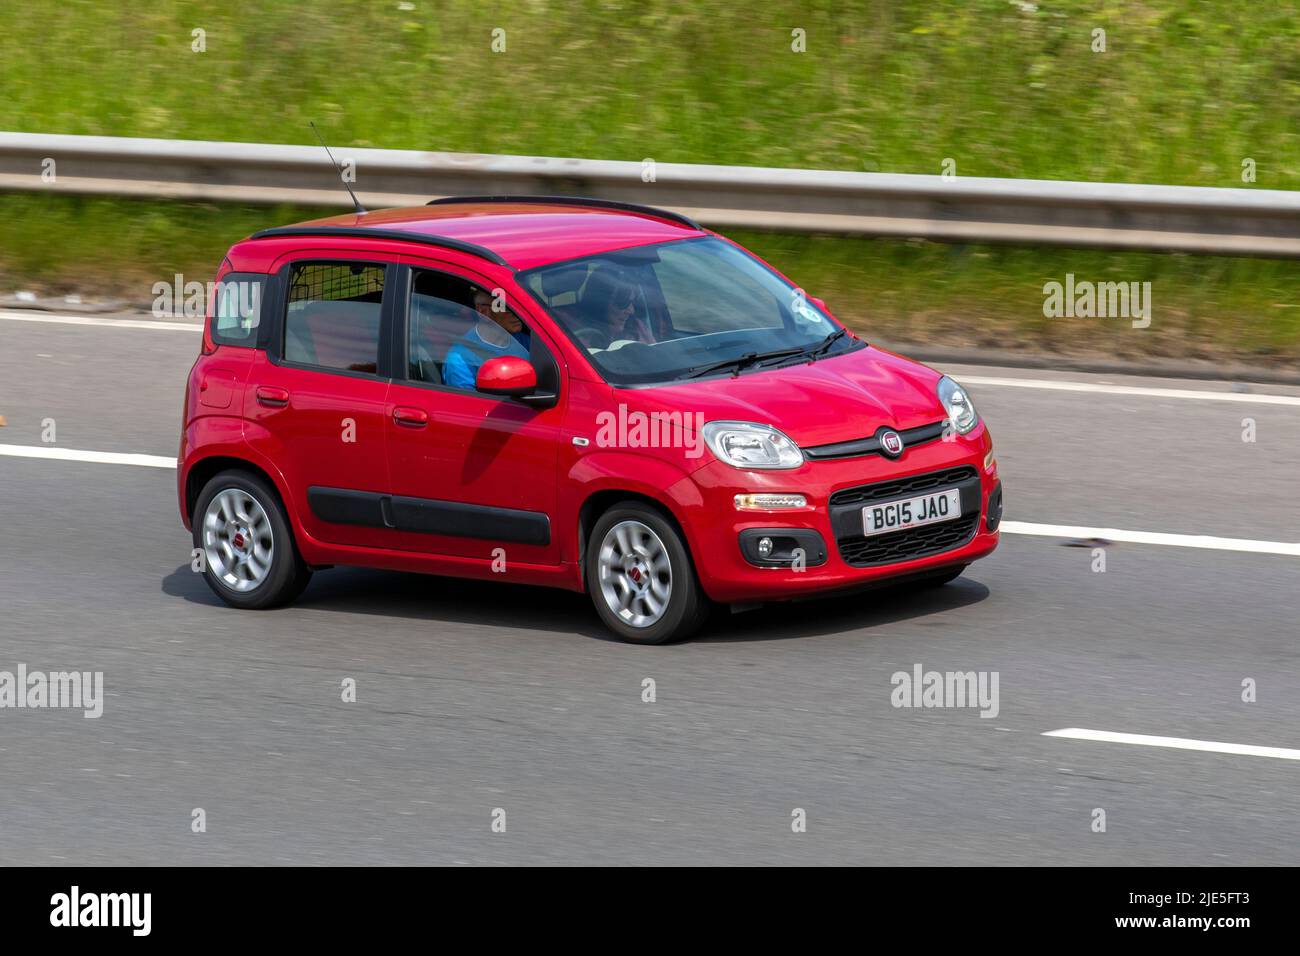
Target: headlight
(749,445)
(960,409)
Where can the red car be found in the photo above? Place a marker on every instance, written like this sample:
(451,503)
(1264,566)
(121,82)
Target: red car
(569,392)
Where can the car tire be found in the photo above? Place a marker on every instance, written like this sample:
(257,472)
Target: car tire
(250,559)
(640,576)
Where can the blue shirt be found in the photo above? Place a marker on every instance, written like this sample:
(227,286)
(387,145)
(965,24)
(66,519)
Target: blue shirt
(470,352)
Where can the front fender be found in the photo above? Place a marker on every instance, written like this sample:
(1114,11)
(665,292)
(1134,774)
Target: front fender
(609,469)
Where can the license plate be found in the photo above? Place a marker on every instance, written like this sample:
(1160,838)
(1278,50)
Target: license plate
(911,512)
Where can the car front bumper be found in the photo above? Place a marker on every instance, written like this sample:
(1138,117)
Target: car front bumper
(724,539)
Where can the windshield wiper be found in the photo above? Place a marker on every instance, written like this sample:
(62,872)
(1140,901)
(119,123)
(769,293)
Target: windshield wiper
(818,351)
(739,363)
(742,362)
(811,353)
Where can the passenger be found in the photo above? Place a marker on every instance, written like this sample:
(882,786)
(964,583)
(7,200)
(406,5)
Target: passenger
(495,334)
(609,307)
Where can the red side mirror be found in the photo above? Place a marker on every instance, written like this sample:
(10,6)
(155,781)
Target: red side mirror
(820,303)
(507,375)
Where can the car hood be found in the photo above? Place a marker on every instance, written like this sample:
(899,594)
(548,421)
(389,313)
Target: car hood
(834,399)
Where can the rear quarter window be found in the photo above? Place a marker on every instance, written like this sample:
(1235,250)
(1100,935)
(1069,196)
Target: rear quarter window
(237,312)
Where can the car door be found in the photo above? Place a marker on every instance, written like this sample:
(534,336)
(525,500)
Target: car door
(473,475)
(316,400)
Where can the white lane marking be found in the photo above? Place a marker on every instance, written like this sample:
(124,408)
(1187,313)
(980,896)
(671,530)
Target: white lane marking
(1132,390)
(1177,743)
(1208,542)
(55,319)
(97,457)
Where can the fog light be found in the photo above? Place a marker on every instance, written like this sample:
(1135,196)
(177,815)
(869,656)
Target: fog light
(770,502)
(764,547)
(989,461)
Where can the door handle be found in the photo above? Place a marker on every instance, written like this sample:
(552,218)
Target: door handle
(410,417)
(272,396)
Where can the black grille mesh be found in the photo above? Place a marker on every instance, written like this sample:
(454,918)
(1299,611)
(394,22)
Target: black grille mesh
(908,545)
(912,543)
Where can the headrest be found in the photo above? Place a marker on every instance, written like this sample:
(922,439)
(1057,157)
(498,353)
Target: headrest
(559,281)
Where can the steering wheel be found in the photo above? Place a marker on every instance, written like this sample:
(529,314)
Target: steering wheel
(592,338)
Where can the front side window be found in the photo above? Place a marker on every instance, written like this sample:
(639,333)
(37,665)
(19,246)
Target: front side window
(676,310)
(456,326)
(333,315)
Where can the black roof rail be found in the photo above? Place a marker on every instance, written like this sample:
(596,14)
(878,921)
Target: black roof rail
(576,201)
(401,235)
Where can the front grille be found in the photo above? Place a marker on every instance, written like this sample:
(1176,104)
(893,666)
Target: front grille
(908,545)
(901,487)
(860,447)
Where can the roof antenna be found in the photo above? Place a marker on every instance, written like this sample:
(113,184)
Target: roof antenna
(360,208)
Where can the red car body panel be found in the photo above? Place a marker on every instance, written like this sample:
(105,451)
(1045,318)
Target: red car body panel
(499,453)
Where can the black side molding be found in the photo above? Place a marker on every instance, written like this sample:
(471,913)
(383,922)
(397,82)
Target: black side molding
(343,506)
(429,516)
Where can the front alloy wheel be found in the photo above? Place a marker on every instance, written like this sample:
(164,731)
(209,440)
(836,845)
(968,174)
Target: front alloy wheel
(640,576)
(636,577)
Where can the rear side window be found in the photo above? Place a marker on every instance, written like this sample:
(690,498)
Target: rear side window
(333,313)
(238,311)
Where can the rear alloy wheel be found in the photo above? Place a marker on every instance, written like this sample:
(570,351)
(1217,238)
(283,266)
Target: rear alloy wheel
(641,578)
(249,557)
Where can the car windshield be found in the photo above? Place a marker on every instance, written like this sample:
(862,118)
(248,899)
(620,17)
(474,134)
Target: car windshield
(683,309)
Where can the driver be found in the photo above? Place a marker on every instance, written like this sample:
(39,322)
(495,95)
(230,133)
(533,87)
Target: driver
(495,334)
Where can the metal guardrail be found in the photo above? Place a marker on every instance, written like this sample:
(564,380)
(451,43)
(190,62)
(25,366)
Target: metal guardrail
(1256,222)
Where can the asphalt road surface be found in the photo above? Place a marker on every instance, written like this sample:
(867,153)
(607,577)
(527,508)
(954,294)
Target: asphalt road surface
(474,697)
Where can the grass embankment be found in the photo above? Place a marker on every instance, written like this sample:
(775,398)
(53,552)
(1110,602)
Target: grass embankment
(1182,94)
(905,292)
